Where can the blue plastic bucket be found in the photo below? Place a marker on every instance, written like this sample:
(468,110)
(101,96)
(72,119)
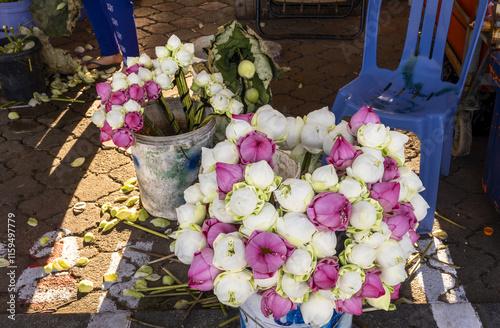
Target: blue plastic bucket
(14,13)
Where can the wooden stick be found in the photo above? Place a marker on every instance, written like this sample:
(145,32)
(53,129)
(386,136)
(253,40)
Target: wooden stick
(450,221)
(178,281)
(162,259)
(443,262)
(422,255)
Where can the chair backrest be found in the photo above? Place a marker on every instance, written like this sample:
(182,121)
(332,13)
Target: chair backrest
(425,39)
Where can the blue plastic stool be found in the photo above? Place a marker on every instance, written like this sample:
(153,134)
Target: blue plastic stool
(413,97)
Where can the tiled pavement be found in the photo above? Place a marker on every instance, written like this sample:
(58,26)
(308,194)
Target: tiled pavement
(37,181)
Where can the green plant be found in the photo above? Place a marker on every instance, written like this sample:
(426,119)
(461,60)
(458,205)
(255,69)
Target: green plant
(56,18)
(15,44)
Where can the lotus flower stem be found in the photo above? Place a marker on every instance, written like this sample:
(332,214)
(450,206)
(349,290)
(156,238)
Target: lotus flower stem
(229,321)
(450,221)
(8,104)
(187,103)
(146,229)
(170,116)
(168,295)
(144,323)
(422,255)
(162,259)
(205,299)
(211,305)
(70,100)
(165,288)
(190,308)
(223,309)
(151,127)
(443,262)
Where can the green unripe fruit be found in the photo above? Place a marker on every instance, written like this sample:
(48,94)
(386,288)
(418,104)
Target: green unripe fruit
(246,69)
(252,95)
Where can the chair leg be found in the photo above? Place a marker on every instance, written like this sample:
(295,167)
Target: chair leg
(447,146)
(430,164)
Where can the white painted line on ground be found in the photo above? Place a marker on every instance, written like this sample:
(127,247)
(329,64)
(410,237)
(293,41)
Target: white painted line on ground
(449,304)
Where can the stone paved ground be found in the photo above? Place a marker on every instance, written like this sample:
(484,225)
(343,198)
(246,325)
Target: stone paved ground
(37,180)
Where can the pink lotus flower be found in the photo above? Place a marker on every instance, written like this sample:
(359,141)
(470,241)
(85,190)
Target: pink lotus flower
(391,171)
(137,93)
(273,303)
(363,116)
(123,138)
(152,89)
(202,272)
(106,132)
(255,147)
(227,176)
(325,275)
(414,236)
(386,193)
(401,221)
(118,98)
(342,154)
(104,91)
(372,287)
(329,211)
(244,117)
(212,228)
(351,305)
(395,293)
(133,121)
(133,69)
(266,252)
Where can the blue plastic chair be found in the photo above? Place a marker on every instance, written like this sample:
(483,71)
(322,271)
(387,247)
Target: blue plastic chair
(413,97)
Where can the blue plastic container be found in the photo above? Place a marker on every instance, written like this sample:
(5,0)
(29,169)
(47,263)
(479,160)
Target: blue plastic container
(14,13)
(491,174)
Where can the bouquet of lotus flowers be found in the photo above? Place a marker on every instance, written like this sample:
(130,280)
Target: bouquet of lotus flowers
(332,240)
(121,113)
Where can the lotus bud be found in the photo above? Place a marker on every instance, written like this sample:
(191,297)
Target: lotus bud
(193,194)
(98,118)
(237,129)
(145,74)
(246,69)
(33,222)
(295,125)
(374,136)
(234,288)
(318,310)
(202,79)
(294,195)
(271,122)
(226,152)
(161,51)
(48,268)
(368,168)
(85,286)
(173,43)
(89,237)
(322,116)
(145,60)
(82,262)
(296,228)
(312,136)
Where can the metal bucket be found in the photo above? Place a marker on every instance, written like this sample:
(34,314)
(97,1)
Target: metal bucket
(166,166)
(252,317)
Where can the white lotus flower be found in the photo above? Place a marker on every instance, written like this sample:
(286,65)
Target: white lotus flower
(374,135)
(132,106)
(145,74)
(340,129)
(420,206)
(352,189)
(300,263)
(322,116)
(294,195)
(99,117)
(237,129)
(217,210)
(229,252)
(317,311)
(119,83)
(169,66)
(374,237)
(324,243)
(213,88)
(208,186)
(367,167)
(164,81)
(202,79)
(161,51)
(243,201)
(392,276)
(259,174)
(193,194)
(133,78)
(191,214)
(217,77)
(234,288)
(235,107)
(188,242)
(350,280)
(410,183)
(267,282)
(173,43)
(323,178)
(145,60)
(263,221)
(296,291)
(115,118)
(207,159)
(296,228)
(271,122)
(407,246)
(363,215)
(381,302)
(312,137)
(295,125)
(396,148)
(183,56)
(362,255)
(220,101)
(389,254)
(226,152)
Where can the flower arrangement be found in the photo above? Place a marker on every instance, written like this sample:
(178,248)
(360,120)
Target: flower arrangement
(334,239)
(121,113)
